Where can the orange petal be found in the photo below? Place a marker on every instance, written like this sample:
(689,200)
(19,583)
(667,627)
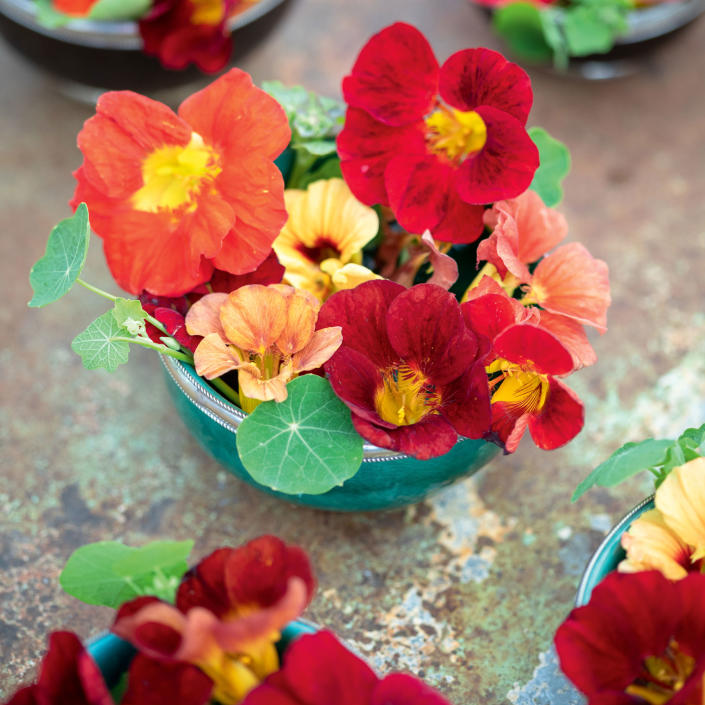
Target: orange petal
(570,281)
(445,268)
(681,500)
(320,349)
(300,323)
(253,317)
(651,545)
(203,318)
(253,386)
(213,357)
(571,333)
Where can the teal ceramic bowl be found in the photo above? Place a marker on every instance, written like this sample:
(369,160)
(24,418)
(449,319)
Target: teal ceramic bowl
(609,554)
(113,655)
(385,480)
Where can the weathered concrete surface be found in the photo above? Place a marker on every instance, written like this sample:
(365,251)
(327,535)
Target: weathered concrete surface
(465,589)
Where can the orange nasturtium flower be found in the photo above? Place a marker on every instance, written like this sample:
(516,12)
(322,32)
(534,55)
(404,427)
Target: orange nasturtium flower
(671,538)
(176,196)
(266,333)
(77,8)
(321,244)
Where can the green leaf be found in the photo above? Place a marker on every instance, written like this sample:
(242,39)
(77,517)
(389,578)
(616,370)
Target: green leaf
(109,573)
(551,25)
(56,272)
(628,460)
(330,169)
(519,24)
(319,148)
(589,30)
(303,445)
(692,441)
(554,167)
(98,347)
(130,315)
(116,10)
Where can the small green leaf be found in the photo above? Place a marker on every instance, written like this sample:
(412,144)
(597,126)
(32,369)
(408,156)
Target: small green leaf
(519,24)
(117,10)
(130,315)
(56,272)
(98,347)
(109,573)
(319,148)
(628,460)
(693,440)
(588,30)
(554,166)
(330,169)
(303,445)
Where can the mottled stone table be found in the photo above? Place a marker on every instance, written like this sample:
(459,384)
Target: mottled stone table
(465,589)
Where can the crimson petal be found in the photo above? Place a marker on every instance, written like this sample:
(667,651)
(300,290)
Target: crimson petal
(526,344)
(561,418)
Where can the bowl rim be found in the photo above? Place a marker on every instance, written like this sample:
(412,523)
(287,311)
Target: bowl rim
(106,34)
(604,555)
(650,22)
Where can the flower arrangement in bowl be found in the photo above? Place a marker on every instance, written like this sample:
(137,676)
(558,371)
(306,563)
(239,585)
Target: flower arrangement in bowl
(223,632)
(636,636)
(595,39)
(145,45)
(370,317)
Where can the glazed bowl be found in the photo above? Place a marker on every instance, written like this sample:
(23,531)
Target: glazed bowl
(609,553)
(87,57)
(385,480)
(113,655)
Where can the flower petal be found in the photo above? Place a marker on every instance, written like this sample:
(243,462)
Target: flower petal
(213,357)
(445,268)
(572,335)
(561,418)
(468,407)
(461,222)
(203,318)
(323,343)
(299,324)
(402,689)
(526,344)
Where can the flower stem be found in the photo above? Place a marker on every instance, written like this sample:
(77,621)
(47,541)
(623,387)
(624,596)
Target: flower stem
(226,390)
(156,346)
(96,290)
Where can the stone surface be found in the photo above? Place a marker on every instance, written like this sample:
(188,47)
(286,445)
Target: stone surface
(465,589)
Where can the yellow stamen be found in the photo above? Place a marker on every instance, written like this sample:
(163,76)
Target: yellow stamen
(518,387)
(174,175)
(405,397)
(455,133)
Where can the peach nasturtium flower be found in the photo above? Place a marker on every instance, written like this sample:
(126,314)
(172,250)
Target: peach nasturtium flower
(321,244)
(266,333)
(671,538)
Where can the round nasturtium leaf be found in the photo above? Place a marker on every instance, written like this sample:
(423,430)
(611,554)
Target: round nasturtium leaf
(303,445)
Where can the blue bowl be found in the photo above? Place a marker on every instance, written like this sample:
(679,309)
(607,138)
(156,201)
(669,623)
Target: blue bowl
(385,480)
(609,554)
(113,655)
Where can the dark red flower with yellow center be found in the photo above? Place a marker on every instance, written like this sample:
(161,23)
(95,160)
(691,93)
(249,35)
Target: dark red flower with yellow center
(409,368)
(181,32)
(176,196)
(523,366)
(435,143)
(319,670)
(639,641)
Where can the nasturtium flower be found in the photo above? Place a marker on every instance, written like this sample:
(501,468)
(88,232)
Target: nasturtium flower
(319,670)
(409,367)
(671,537)
(229,613)
(435,143)
(181,32)
(67,676)
(324,235)
(75,8)
(266,333)
(639,641)
(176,196)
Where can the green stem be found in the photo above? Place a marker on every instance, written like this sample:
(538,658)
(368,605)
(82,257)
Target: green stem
(226,390)
(303,161)
(96,290)
(156,346)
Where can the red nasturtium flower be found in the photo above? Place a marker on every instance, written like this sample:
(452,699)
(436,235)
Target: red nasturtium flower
(229,613)
(319,670)
(76,8)
(409,368)
(639,641)
(435,143)
(523,365)
(67,676)
(180,32)
(176,196)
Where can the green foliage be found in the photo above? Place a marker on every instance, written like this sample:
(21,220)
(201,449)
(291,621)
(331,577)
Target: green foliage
(554,167)
(56,272)
(329,169)
(592,26)
(657,456)
(99,346)
(519,24)
(109,573)
(303,445)
(48,16)
(116,10)
(130,315)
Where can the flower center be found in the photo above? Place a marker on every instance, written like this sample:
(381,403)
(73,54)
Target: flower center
(207,12)
(174,175)
(662,676)
(323,249)
(405,397)
(454,133)
(524,390)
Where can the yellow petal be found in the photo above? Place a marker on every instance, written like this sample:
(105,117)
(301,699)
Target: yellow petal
(320,349)
(351,275)
(253,317)
(301,315)
(651,545)
(213,357)
(681,500)
(203,317)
